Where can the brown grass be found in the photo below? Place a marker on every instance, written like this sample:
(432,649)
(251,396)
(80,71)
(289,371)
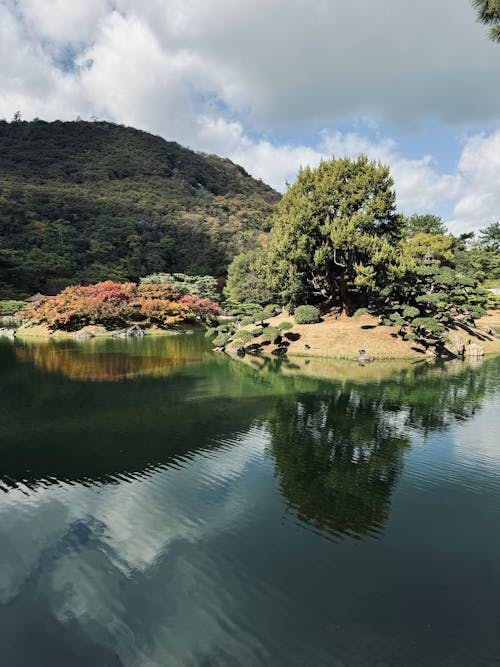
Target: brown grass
(341,337)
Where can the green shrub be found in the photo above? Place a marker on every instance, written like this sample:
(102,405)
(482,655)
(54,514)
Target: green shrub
(250,308)
(306,314)
(396,319)
(271,310)
(227,327)
(285,326)
(221,340)
(429,324)
(246,321)
(409,312)
(257,331)
(210,333)
(243,336)
(10,307)
(360,311)
(270,334)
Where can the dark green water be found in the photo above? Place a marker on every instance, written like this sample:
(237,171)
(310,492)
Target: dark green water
(163,505)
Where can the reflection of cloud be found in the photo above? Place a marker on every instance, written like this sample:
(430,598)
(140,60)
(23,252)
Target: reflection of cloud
(92,549)
(473,441)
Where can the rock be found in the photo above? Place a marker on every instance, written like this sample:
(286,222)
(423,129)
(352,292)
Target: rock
(362,357)
(132,332)
(8,333)
(474,351)
(431,353)
(456,345)
(83,335)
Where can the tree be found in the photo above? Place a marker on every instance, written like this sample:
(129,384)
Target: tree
(489,237)
(203,287)
(488,12)
(424,224)
(247,280)
(335,234)
(439,247)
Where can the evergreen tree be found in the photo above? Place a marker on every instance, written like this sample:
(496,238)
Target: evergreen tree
(488,12)
(424,224)
(247,281)
(335,234)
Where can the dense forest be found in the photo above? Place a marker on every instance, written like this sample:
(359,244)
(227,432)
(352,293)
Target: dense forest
(83,202)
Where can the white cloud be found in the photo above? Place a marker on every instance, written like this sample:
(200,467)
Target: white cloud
(216,75)
(479,202)
(419,186)
(62,21)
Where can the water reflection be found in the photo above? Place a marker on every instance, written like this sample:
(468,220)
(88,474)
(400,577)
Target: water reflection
(143,521)
(339,454)
(338,459)
(104,360)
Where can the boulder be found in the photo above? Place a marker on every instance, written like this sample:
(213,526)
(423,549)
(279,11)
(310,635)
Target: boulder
(8,333)
(474,351)
(132,332)
(83,335)
(456,345)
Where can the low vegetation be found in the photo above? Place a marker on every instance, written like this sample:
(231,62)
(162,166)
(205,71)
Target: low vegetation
(10,307)
(115,305)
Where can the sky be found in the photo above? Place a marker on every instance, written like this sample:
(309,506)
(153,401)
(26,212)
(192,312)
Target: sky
(278,84)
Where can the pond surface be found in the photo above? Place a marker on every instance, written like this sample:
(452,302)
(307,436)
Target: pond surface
(161,505)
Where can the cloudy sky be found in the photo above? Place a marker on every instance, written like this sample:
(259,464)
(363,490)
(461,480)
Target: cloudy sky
(276,84)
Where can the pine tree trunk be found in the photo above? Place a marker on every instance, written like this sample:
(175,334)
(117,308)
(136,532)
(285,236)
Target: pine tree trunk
(344,295)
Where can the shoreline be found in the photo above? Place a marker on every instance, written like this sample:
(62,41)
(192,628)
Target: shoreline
(342,338)
(39,332)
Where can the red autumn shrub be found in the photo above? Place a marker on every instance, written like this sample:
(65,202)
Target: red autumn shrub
(203,309)
(118,304)
(158,291)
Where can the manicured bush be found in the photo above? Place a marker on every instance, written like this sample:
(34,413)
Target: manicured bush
(245,321)
(285,326)
(257,331)
(360,312)
(222,339)
(270,334)
(306,315)
(211,332)
(243,336)
(409,312)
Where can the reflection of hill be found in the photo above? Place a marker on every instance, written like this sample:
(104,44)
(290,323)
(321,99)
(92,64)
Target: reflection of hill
(338,454)
(110,361)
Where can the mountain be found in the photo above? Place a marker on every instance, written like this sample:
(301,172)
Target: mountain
(87,201)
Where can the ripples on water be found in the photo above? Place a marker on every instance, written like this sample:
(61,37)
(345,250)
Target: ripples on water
(180,508)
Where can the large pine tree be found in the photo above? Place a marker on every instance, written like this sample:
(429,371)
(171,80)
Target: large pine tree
(488,12)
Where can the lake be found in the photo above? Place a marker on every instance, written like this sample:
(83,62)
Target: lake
(164,505)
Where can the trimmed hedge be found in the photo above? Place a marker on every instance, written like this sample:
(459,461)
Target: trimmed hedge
(306,315)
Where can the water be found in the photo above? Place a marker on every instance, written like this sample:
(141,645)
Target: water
(164,505)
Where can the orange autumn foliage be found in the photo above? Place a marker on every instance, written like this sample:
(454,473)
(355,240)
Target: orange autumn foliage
(115,305)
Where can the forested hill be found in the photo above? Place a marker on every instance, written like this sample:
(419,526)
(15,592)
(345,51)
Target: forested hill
(83,202)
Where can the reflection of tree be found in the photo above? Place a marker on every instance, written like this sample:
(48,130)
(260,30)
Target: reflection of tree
(338,459)
(338,454)
(110,361)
